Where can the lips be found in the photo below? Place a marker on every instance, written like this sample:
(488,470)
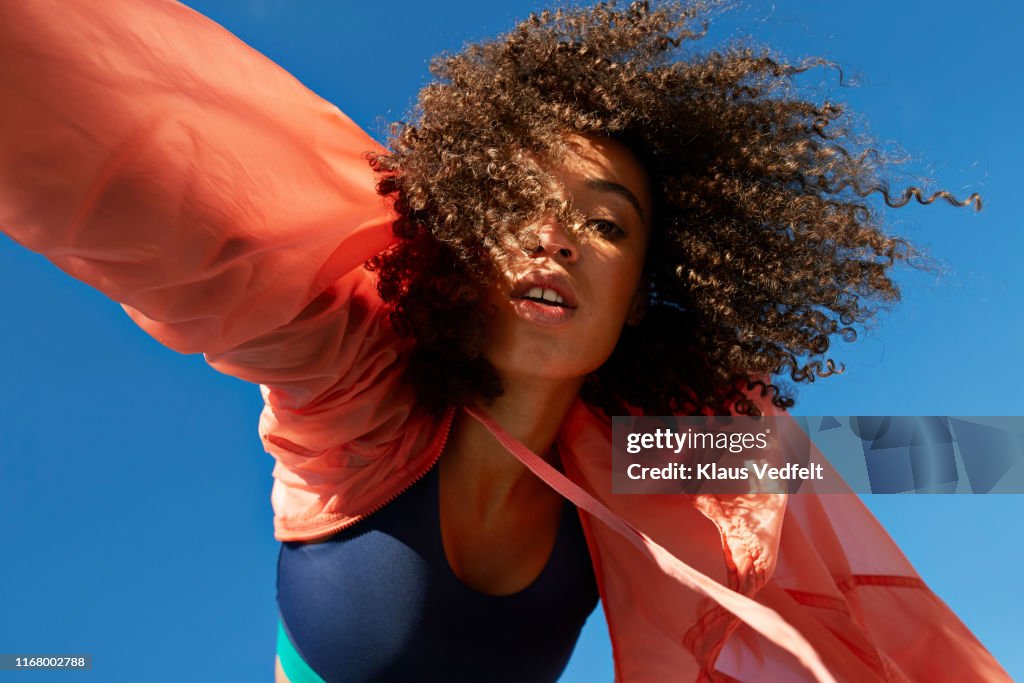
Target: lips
(539,308)
(559,284)
(542,314)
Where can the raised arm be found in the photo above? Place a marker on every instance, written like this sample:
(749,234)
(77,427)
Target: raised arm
(151,154)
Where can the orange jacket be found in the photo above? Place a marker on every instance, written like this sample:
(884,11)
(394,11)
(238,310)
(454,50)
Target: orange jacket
(149,153)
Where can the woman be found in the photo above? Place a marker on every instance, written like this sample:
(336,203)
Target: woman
(552,227)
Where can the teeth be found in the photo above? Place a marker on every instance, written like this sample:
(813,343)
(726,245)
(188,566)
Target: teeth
(546,294)
(552,295)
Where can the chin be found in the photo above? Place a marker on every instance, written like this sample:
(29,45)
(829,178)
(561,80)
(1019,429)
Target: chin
(542,366)
(553,354)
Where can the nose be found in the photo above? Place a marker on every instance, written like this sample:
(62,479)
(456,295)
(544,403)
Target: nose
(556,242)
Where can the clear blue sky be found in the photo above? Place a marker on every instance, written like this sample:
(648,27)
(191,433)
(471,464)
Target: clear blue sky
(178,584)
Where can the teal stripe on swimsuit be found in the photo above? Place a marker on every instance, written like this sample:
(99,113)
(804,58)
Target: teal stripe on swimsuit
(295,668)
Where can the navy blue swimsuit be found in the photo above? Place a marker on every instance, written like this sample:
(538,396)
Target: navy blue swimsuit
(379,602)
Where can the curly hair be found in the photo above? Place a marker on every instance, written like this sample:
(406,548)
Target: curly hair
(764,247)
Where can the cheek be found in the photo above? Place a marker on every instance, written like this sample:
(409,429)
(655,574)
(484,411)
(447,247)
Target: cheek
(618,283)
(616,291)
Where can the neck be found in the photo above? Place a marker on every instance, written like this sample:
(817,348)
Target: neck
(531,412)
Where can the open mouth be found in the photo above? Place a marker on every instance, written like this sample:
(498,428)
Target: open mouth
(544,300)
(545,297)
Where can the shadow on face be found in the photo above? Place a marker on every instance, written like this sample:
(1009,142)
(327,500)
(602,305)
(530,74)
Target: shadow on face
(565,298)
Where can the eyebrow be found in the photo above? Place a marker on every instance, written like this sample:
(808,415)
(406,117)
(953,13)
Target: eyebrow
(603,185)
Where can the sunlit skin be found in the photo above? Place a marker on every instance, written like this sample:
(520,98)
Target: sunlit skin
(498,520)
(602,180)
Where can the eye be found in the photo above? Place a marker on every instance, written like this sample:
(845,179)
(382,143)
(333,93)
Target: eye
(606,228)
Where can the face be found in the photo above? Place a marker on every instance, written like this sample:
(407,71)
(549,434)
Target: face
(562,308)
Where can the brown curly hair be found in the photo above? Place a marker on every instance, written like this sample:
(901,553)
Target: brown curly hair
(764,245)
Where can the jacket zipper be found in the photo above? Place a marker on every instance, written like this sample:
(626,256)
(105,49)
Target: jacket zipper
(334,528)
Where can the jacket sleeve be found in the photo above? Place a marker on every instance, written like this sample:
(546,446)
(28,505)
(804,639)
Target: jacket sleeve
(151,154)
